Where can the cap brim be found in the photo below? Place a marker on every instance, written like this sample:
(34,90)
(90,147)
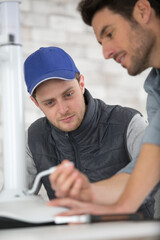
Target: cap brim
(63,75)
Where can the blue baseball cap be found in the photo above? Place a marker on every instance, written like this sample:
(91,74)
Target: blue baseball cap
(48,63)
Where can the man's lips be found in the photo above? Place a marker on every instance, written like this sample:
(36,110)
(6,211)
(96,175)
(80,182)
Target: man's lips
(119,58)
(67,119)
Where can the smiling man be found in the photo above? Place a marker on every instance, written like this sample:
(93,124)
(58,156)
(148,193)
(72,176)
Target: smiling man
(129,32)
(101,140)
(127,42)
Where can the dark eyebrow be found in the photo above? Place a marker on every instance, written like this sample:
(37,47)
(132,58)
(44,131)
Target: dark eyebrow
(46,100)
(68,89)
(52,99)
(103,31)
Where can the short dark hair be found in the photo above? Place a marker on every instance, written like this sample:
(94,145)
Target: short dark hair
(88,8)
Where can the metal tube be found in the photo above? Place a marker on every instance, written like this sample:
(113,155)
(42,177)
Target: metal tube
(9,19)
(12,99)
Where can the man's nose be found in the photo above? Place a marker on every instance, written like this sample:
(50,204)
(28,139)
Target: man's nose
(62,107)
(108,50)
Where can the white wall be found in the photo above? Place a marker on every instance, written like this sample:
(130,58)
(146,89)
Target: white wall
(58,23)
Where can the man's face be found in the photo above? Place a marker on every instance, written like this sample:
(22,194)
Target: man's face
(128,43)
(62,102)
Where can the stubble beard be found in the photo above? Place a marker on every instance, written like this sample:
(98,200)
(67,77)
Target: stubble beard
(140,61)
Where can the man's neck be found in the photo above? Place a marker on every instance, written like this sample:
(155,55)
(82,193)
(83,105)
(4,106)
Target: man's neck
(156,49)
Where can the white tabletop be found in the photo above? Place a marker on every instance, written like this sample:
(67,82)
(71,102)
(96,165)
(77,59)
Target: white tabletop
(149,230)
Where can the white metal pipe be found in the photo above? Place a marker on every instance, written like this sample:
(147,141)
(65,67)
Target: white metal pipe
(12,100)
(9,19)
(13,119)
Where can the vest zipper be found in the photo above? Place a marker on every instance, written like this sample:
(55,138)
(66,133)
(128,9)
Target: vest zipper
(75,148)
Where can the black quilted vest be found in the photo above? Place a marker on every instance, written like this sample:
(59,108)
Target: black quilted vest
(97,148)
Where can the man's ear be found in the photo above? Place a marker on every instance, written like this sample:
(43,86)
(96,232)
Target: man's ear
(81,83)
(142,11)
(35,101)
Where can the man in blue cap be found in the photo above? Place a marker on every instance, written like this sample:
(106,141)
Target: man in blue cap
(101,140)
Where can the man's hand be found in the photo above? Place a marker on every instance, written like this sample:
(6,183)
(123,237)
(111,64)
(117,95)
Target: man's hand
(69,182)
(79,207)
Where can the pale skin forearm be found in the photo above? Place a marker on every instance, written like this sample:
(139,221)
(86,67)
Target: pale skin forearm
(143,179)
(69,182)
(109,190)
